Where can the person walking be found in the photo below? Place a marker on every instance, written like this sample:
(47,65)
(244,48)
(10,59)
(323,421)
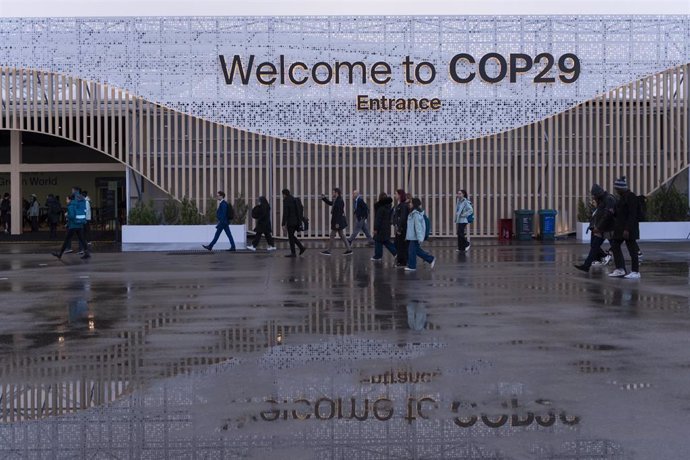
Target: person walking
(76,217)
(33,212)
(223,214)
(87,226)
(6,213)
(400,214)
(601,224)
(361,219)
(53,215)
(416,231)
(382,226)
(262,214)
(338,221)
(463,210)
(291,222)
(626,229)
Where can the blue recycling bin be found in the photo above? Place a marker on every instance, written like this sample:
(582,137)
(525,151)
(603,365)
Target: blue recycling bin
(547,224)
(524,224)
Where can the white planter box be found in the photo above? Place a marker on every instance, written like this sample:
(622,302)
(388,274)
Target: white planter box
(648,231)
(178,237)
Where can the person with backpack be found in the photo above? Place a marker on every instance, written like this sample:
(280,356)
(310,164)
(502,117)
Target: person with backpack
(417,231)
(87,226)
(5,213)
(382,227)
(76,217)
(338,221)
(292,221)
(626,229)
(601,225)
(224,214)
(400,214)
(361,219)
(262,214)
(463,213)
(33,212)
(53,215)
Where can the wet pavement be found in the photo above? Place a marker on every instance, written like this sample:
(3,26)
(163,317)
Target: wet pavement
(503,352)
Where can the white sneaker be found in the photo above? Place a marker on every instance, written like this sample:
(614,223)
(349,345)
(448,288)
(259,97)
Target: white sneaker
(251,248)
(607,259)
(376,258)
(271,248)
(408,269)
(598,263)
(467,248)
(633,276)
(617,273)
(433,262)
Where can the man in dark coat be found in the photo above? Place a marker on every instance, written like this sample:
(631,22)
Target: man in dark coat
(400,223)
(222,214)
(53,215)
(601,225)
(291,222)
(262,214)
(338,221)
(626,228)
(382,227)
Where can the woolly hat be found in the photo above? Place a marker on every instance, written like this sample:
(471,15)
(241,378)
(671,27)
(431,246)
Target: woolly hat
(621,183)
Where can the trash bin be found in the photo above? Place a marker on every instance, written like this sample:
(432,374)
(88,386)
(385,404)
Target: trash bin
(547,223)
(505,229)
(524,228)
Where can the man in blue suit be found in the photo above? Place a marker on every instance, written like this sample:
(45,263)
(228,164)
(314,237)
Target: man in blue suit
(222,214)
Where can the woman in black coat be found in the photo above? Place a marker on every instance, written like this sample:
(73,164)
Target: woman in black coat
(262,214)
(382,226)
(338,221)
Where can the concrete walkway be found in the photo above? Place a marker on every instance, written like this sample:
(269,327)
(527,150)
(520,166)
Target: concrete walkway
(503,352)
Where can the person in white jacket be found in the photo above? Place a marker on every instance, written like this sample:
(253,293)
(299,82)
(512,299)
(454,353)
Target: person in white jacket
(416,230)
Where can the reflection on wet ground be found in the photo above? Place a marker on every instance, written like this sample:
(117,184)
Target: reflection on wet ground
(503,352)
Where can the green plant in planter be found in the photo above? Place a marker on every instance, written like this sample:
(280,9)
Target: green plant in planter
(584,211)
(211,207)
(240,207)
(143,214)
(171,211)
(667,205)
(189,213)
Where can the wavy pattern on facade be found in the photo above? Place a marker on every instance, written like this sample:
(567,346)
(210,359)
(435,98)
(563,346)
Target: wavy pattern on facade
(639,129)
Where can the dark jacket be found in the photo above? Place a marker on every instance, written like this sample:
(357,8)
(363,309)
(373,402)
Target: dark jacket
(262,214)
(54,210)
(290,217)
(400,218)
(5,207)
(338,219)
(361,209)
(222,214)
(626,217)
(603,216)
(382,219)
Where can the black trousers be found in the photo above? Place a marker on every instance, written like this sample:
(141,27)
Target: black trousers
(633,249)
(68,239)
(293,239)
(257,238)
(462,239)
(401,247)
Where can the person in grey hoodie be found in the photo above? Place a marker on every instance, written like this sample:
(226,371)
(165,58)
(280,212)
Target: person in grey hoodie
(416,229)
(601,225)
(463,209)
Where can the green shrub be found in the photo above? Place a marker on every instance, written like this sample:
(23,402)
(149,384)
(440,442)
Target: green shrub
(211,207)
(667,205)
(189,213)
(240,208)
(584,211)
(171,211)
(143,214)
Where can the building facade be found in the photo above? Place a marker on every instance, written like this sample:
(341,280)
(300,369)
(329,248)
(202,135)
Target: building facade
(523,112)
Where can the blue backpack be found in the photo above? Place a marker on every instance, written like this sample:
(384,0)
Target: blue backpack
(80,216)
(427,227)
